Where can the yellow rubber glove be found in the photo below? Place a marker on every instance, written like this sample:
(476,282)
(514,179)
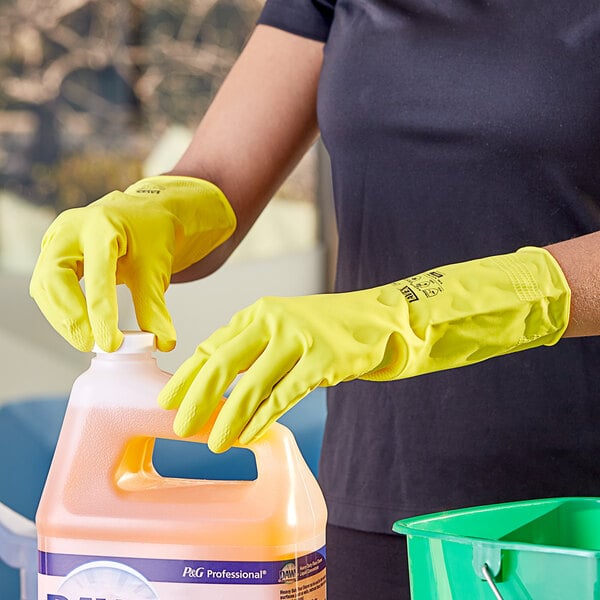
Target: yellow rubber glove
(139,237)
(447,317)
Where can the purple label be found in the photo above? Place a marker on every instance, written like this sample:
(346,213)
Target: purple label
(196,571)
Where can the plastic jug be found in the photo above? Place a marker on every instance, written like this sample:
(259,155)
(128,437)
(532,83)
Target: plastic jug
(111,528)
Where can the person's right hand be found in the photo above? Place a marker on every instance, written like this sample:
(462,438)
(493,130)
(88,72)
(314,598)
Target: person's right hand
(139,237)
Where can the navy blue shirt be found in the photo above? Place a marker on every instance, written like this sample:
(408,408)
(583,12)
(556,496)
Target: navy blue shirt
(457,129)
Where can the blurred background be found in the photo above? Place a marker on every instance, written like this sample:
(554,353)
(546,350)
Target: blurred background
(96,94)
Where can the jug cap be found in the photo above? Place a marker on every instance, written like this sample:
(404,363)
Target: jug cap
(134,342)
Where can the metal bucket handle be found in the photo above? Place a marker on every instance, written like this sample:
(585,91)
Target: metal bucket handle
(487,575)
(487,560)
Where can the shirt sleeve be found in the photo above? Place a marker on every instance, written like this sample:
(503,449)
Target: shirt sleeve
(308,18)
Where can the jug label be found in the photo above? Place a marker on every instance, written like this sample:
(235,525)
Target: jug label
(77,577)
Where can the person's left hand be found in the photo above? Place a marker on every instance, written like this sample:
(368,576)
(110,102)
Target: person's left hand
(448,317)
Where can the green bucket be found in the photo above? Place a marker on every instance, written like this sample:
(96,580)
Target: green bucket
(534,550)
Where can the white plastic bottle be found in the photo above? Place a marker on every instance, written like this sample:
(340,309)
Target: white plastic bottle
(111,528)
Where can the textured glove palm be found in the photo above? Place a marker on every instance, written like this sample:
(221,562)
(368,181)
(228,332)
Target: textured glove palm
(447,317)
(139,237)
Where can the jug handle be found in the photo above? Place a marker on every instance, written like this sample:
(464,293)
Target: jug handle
(276,453)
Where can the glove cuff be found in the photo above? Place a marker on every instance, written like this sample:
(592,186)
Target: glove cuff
(537,276)
(464,313)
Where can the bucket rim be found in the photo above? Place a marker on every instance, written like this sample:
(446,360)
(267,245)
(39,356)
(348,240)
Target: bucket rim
(413,526)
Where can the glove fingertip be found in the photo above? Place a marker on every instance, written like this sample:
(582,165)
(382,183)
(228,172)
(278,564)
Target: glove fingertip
(174,391)
(247,437)
(106,333)
(153,316)
(180,430)
(110,342)
(218,441)
(165,344)
(246,440)
(167,399)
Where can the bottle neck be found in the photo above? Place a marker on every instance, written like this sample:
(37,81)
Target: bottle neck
(120,357)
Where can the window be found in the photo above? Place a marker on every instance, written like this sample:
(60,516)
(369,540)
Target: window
(97,94)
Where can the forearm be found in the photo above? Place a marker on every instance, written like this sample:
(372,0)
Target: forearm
(261,122)
(579,259)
